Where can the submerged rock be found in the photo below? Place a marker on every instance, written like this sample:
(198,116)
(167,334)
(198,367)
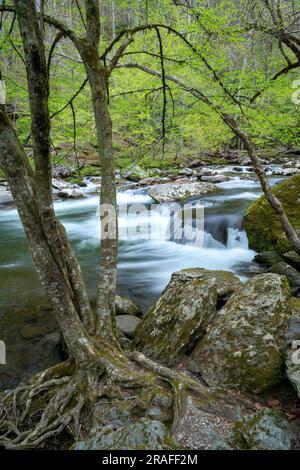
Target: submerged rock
(31,335)
(144,434)
(245,344)
(125,305)
(181,315)
(127,324)
(263,226)
(180,191)
(265,430)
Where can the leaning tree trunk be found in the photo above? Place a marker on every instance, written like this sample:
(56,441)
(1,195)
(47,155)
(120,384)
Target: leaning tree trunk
(16,167)
(229,120)
(274,202)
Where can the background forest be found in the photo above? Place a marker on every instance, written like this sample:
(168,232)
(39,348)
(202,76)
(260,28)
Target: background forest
(228,35)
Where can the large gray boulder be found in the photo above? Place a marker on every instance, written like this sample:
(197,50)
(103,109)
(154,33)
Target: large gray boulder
(144,434)
(265,430)
(293,347)
(179,191)
(181,315)
(244,346)
(127,324)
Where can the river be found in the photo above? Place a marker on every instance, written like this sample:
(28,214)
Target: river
(144,265)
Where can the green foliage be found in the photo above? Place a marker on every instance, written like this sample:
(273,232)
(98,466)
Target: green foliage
(244,61)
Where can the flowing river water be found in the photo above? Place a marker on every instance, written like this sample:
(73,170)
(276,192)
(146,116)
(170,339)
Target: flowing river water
(144,265)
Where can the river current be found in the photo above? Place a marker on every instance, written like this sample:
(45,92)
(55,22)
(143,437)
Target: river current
(144,265)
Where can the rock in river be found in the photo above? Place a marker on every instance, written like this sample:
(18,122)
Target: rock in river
(66,190)
(244,346)
(126,306)
(180,191)
(181,315)
(127,324)
(262,225)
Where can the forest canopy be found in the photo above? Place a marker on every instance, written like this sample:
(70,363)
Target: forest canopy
(232,37)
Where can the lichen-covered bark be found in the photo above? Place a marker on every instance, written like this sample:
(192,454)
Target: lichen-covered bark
(17,169)
(98,76)
(38,87)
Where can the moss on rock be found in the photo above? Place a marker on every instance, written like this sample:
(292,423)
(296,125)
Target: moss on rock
(263,226)
(183,312)
(244,346)
(264,430)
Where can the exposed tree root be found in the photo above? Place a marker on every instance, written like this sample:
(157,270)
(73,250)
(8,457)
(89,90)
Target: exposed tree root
(64,398)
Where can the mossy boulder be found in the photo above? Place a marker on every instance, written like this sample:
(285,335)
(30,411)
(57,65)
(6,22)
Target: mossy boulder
(181,315)
(291,273)
(293,259)
(293,346)
(263,226)
(144,434)
(267,258)
(244,346)
(265,430)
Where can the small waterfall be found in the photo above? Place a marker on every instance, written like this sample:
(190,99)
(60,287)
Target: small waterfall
(219,232)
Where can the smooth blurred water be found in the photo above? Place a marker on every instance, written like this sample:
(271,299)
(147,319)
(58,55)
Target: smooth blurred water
(144,266)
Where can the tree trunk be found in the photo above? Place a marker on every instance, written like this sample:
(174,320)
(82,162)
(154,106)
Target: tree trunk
(40,126)
(98,79)
(274,202)
(16,167)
